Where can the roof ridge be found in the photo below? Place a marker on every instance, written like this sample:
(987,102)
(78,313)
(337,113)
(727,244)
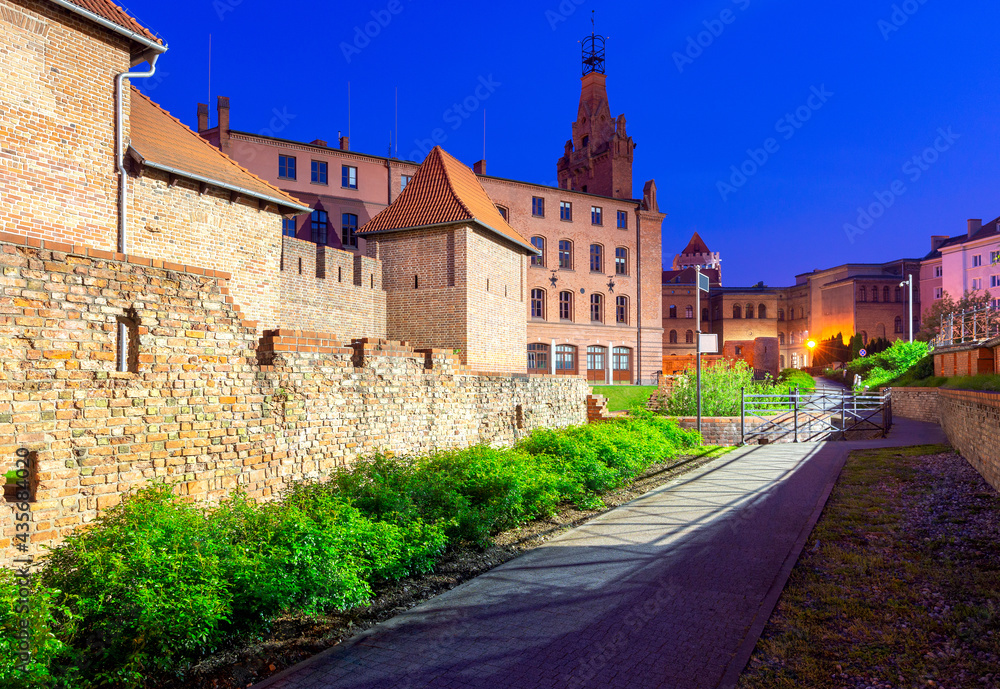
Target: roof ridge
(280,194)
(451,182)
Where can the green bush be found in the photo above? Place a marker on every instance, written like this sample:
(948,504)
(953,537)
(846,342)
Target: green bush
(793,377)
(879,369)
(721,387)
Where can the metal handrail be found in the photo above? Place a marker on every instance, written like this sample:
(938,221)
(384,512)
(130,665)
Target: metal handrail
(968,326)
(813,416)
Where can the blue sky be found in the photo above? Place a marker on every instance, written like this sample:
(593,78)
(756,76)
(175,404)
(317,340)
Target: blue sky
(767,125)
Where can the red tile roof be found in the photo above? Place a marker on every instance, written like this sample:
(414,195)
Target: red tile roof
(443,191)
(115,14)
(160,140)
(696,246)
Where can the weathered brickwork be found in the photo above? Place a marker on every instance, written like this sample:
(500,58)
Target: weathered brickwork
(921,404)
(212,405)
(330,290)
(57,173)
(972,422)
(968,360)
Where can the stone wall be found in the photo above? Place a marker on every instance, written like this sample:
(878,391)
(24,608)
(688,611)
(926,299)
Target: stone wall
(210,404)
(972,422)
(916,403)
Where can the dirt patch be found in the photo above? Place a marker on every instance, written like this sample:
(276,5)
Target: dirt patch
(292,639)
(898,586)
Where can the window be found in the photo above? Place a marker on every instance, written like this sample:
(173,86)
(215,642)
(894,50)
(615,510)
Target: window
(938,292)
(874,294)
(689,311)
(737,311)
(538,243)
(404,180)
(566,306)
(862,293)
(994,258)
(621,310)
(621,261)
(349,229)
(348,177)
(565,211)
(318,172)
(977,284)
(977,260)
(565,359)
(781,339)
(288,227)
(566,254)
(899,294)
(704,314)
(761,311)
(538,206)
(597,358)
(538,303)
(899,324)
(286,167)
(938,271)
(320,224)
(673,337)
(622,220)
(749,312)
(781,314)
(781,362)
(689,337)
(739,350)
(538,357)
(596,258)
(673,311)
(597,308)
(994,280)
(885,294)
(585,142)
(596,215)
(864,337)
(504,212)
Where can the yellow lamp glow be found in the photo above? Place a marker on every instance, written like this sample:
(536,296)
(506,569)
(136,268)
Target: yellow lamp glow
(811,344)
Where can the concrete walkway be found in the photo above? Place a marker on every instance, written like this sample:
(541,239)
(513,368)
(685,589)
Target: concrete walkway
(670,590)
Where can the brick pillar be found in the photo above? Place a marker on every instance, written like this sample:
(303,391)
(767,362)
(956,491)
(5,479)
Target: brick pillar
(223,112)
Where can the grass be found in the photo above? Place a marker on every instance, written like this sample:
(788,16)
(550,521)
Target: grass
(793,377)
(898,585)
(624,397)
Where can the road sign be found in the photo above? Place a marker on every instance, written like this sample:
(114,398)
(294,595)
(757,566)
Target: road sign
(709,343)
(863,352)
(703,283)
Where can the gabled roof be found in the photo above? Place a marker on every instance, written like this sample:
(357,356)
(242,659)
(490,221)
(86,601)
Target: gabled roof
(444,192)
(160,141)
(696,246)
(113,17)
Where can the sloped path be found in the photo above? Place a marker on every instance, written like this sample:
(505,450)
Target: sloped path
(669,590)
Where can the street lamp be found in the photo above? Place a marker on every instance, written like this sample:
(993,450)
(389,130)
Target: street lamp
(908,282)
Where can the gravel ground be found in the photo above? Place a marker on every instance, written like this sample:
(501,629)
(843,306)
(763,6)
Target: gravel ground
(295,638)
(899,585)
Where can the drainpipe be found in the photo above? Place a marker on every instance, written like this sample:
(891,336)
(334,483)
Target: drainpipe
(123,179)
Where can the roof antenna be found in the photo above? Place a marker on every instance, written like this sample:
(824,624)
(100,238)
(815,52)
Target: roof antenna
(209,80)
(348,111)
(397,124)
(484,133)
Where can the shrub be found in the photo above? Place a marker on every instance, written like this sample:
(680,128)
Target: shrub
(721,387)
(793,377)
(880,369)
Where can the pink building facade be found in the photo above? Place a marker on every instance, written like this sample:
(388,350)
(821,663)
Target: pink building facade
(964,263)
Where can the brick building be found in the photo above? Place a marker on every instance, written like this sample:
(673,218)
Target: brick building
(680,300)
(968,262)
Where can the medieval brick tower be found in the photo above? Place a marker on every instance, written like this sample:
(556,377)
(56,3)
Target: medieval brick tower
(598,159)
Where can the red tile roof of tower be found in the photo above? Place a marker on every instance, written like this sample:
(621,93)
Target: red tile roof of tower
(161,141)
(696,246)
(444,192)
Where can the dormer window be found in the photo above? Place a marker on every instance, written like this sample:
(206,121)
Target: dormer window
(503,212)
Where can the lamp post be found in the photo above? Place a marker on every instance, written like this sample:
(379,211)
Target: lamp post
(908,282)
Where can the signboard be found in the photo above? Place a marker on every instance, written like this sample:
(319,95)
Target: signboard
(863,352)
(703,283)
(709,343)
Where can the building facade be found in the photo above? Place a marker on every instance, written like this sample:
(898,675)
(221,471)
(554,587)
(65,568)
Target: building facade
(965,263)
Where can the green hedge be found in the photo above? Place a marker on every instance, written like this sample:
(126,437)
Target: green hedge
(882,368)
(156,583)
(793,377)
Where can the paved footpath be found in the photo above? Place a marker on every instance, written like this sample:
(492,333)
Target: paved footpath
(670,590)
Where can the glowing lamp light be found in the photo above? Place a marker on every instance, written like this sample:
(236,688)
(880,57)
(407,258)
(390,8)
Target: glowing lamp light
(811,344)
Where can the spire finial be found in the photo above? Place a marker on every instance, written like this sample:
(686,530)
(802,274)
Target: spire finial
(593,49)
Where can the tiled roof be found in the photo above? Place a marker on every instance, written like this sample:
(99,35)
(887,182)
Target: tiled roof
(443,191)
(685,276)
(696,246)
(160,141)
(115,14)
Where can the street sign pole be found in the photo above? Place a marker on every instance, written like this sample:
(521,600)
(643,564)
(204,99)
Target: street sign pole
(697,315)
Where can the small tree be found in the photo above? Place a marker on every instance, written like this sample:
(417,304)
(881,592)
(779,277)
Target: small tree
(930,325)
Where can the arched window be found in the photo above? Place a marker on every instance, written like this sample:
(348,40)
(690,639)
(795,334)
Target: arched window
(565,359)
(704,314)
(862,293)
(621,261)
(899,324)
(781,361)
(673,311)
(749,311)
(874,293)
(781,314)
(673,337)
(689,311)
(538,358)
(566,306)
(761,311)
(689,337)
(621,310)
(880,331)
(538,303)
(538,243)
(597,363)
(597,308)
(864,337)
(899,295)
(737,311)
(596,258)
(566,254)
(621,364)
(781,338)
(885,294)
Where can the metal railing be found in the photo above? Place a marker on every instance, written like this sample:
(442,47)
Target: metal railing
(823,415)
(970,326)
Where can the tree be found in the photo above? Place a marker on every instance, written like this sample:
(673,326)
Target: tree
(930,322)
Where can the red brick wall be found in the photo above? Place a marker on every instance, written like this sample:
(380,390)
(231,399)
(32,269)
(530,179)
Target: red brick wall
(971,420)
(916,403)
(57,171)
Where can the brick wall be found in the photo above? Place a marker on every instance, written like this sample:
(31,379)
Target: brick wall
(57,173)
(211,405)
(916,403)
(971,420)
(330,290)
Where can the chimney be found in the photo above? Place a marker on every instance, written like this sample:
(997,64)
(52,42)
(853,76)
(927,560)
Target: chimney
(202,117)
(345,143)
(223,110)
(937,240)
(318,142)
(479,168)
(974,226)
